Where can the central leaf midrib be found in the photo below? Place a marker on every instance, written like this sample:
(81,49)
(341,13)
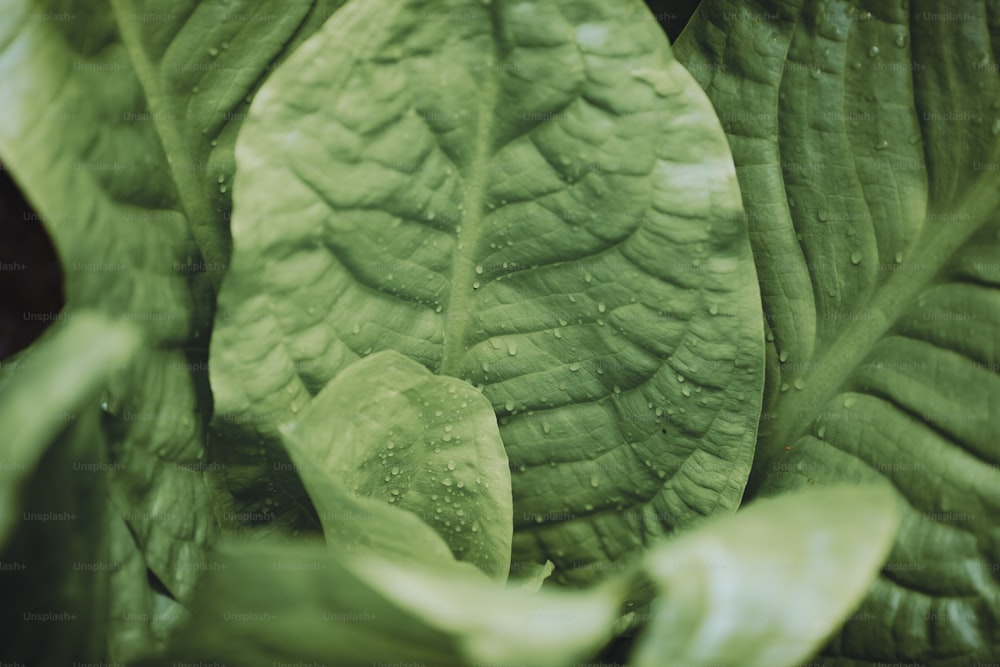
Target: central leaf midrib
(796,411)
(198,210)
(470,235)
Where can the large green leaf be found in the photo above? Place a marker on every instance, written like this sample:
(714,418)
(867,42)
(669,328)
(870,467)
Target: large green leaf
(766,587)
(118,122)
(866,141)
(388,430)
(55,556)
(533,197)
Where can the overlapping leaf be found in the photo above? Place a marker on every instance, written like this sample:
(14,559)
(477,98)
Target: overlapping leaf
(530,196)
(118,123)
(866,141)
(389,431)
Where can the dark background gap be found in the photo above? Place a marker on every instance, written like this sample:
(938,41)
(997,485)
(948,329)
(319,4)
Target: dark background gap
(37,287)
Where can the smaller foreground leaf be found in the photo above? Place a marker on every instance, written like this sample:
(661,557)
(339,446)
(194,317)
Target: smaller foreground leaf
(353,523)
(390,430)
(295,603)
(502,626)
(766,587)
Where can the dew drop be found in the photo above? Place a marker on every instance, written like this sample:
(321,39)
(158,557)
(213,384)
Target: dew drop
(587,277)
(509,406)
(856,64)
(874,51)
(451,465)
(882,145)
(213,52)
(601,308)
(475,285)
(686,391)
(799,384)
(594,481)
(713,309)
(446,481)
(512,349)
(783,357)
(545,427)
(574,367)
(856,257)
(849,401)
(479,269)
(822,215)
(900,40)
(898,258)
(822,431)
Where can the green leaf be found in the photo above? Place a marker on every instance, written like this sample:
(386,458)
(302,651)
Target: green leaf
(54,549)
(139,618)
(118,123)
(766,587)
(867,143)
(530,196)
(270,603)
(387,429)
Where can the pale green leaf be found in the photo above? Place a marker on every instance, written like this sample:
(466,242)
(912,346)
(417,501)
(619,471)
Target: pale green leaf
(295,603)
(530,196)
(766,587)
(388,429)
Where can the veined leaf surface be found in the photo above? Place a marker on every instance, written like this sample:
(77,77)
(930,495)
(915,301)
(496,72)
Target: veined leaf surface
(531,196)
(867,143)
(118,123)
(387,435)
